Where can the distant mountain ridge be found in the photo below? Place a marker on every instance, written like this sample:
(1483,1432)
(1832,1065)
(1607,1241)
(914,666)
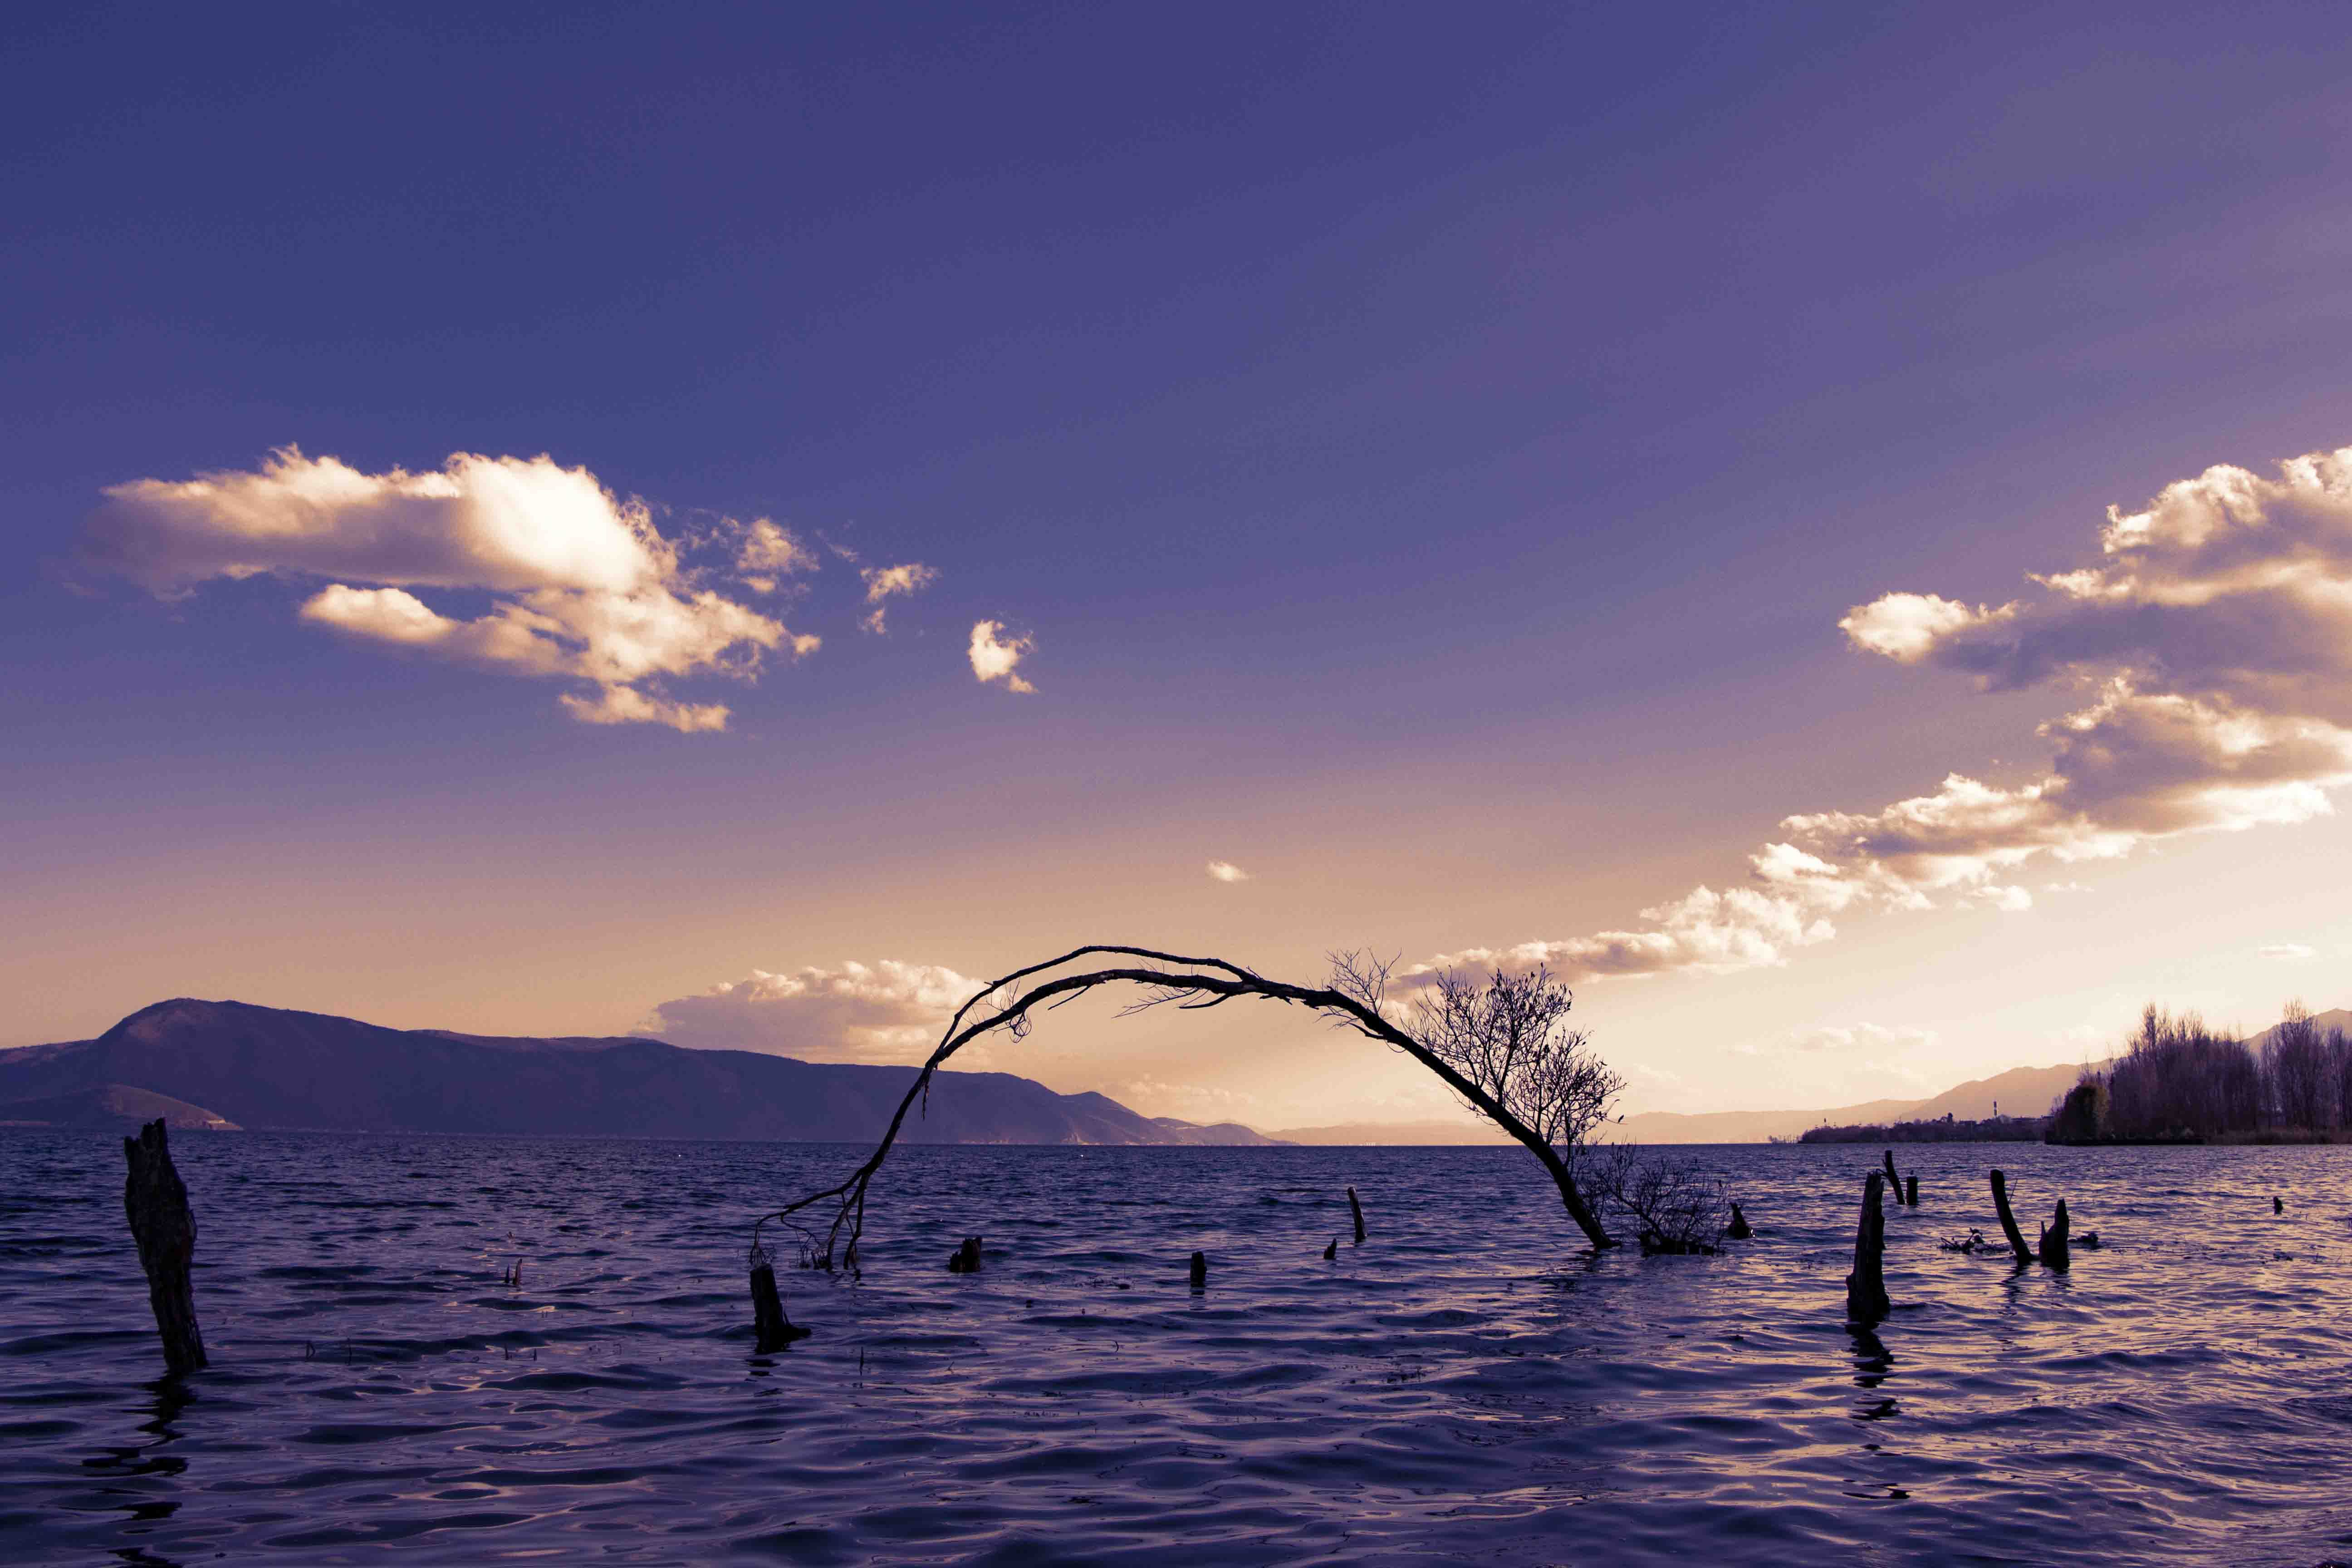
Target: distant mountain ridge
(208,1063)
(2020,1091)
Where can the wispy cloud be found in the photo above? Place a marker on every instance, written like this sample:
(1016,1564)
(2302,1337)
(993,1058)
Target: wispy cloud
(2206,654)
(882,581)
(767,553)
(2287,950)
(1226,871)
(997,654)
(584,587)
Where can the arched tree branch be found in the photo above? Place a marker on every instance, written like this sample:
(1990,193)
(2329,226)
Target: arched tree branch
(1354,1001)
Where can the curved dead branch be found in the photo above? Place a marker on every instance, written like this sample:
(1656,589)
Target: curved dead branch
(1166,979)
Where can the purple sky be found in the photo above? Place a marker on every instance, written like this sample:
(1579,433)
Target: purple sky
(1419,460)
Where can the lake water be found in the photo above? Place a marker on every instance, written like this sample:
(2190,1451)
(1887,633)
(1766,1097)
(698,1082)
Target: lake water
(1463,1387)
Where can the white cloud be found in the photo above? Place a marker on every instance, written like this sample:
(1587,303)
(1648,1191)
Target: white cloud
(767,553)
(2290,951)
(888,1011)
(1226,871)
(995,655)
(882,581)
(2206,659)
(586,587)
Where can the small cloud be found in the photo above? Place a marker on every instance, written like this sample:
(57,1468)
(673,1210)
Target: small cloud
(2009,900)
(766,553)
(995,655)
(881,582)
(1226,871)
(2290,951)
(2066,887)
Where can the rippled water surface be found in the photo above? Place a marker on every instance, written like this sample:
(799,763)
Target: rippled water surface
(1465,1386)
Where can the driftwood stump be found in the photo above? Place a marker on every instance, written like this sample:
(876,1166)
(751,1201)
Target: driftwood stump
(770,1326)
(1866,1287)
(1357,1210)
(1199,1271)
(1739,1229)
(1331,1251)
(2054,1239)
(1910,1192)
(156,1201)
(1893,1182)
(2008,1220)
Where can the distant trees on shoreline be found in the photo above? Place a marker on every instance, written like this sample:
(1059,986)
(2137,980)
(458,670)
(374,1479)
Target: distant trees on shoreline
(2179,1082)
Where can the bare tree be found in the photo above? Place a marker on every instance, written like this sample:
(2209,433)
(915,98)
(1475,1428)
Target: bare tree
(1356,1000)
(1508,1035)
(2300,1067)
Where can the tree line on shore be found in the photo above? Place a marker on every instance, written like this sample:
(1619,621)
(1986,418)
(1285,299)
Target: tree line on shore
(2179,1081)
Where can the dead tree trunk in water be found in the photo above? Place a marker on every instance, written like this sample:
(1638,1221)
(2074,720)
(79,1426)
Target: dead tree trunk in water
(1866,1287)
(1893,1182)
(2008,1220)
(1910,1192)
(1739,1229)
(1357,1210)
(156,1202)
(1353,1002)
(771,1328)
(2055,1235)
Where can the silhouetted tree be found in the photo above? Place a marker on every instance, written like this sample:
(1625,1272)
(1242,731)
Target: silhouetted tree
(2301,1066)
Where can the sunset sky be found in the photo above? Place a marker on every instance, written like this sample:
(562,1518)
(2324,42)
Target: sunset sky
(1826,527)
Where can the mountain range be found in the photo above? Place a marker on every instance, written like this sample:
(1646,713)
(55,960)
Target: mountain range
(224,1065)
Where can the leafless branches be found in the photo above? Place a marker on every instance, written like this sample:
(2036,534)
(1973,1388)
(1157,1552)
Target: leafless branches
(1509,1036)
(1676,1206)
(1355,1000)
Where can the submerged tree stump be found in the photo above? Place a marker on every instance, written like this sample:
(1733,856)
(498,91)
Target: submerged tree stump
(1331,1251)
(2008,1220)
(1739,1229)
(156,1202)
(769,1327)
(1199,1271)
(1357,1210)
(1866,1287)
(965,1260)
(1893,1182)
(1910,1192)
(2055,1253)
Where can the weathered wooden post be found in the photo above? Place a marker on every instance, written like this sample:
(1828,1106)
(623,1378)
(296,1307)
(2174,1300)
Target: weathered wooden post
(1199,1271)
(1866,1287)
(1739,1229)
(965,1260)
(156,1202)
(1357,1210)
(1893,1182)
(771,1328)
(1910,1192)
(2008,1220)
(1331,1251)
(2053,1241)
